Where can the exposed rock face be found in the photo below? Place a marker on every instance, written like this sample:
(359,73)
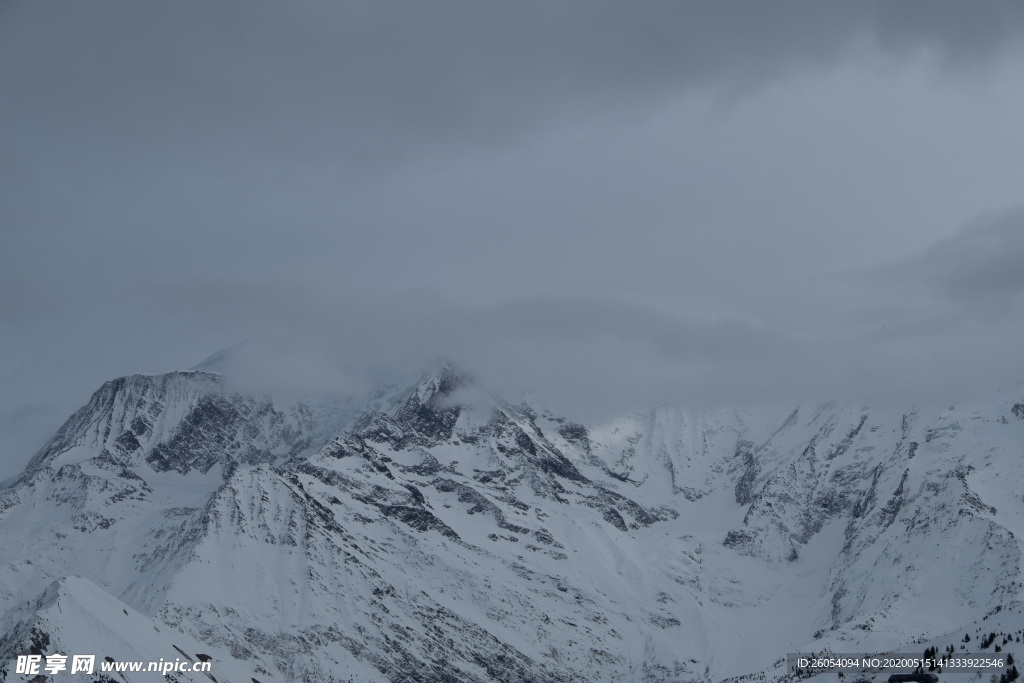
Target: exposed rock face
(183,421)
(425,536)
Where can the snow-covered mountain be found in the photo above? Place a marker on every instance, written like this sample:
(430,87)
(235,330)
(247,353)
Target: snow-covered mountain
(433,532)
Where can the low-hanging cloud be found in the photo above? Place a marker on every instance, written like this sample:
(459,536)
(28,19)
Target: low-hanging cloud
(609,204)
(594,356)
(980,269)
(905,340)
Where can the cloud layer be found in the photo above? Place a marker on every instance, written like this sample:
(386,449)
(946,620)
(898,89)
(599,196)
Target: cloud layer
(608,204)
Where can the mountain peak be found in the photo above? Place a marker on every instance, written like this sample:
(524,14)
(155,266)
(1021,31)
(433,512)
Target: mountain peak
(442,378)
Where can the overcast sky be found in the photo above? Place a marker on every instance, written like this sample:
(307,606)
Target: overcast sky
(609,203)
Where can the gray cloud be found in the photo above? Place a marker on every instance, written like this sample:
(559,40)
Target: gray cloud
(608,203)
(981,267)
(180,83)
(969,283)
(25,427)
(591,357)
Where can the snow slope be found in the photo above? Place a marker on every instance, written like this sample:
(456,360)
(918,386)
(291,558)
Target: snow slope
(434,533)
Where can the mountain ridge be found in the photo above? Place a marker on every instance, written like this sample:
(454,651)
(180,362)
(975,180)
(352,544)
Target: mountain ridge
(437,532)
